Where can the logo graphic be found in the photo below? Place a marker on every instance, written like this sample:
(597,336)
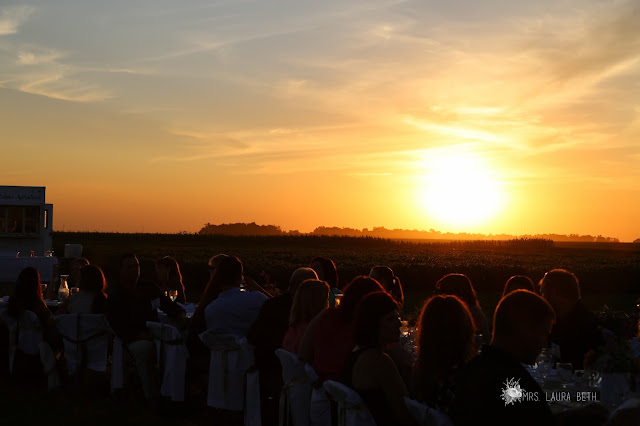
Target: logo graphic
(512,392)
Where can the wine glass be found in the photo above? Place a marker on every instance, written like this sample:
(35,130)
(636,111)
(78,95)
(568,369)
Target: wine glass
(565,373)
(173,295)
(544,363)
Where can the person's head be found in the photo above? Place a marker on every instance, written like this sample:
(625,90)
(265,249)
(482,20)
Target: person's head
(168,272)
(561,289)
(518,282)
(311,297)
(385,276)
(376,321)
(76,265)
(326,270)
(445,338)
(129,270)
(458,285)
(213,263)
(359,287)
(300,275)
(28,291)
(228,274)
(92,279)
(521,324)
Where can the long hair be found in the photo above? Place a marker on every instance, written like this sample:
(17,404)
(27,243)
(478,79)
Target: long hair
(445,341)
(359,287)
(92,281)
(369,312)
(310,299)
(458,285)
(391,283)
(28,292)
(174,277)
(326,270)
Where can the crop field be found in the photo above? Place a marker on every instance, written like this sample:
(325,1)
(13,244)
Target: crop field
(609,273)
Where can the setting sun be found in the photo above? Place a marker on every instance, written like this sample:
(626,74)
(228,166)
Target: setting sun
(460,190)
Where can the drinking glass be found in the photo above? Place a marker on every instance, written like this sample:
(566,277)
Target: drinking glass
(565,373)
(593,378)
(173,295)
(44,289)
(544,363)
(74,290)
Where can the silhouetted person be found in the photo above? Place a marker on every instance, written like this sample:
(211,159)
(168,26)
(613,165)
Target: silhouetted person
(518,282)
(327,271)
(266,335)
(328,339)
(445,344)
(130,305)
(521,326)
(311,298)
(576,330)
(170,278)
(460,285)
(385,276)
(91,298)
(368,369)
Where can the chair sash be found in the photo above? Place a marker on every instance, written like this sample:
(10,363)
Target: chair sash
(295,397)
(86,341)
(231,357)
(172,359)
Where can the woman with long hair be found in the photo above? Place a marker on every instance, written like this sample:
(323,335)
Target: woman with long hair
(170,278)
(368,369)
(311,298)
(328,339)
(327,271)
(460,285)
(91,298)
(445,343)
(518,282)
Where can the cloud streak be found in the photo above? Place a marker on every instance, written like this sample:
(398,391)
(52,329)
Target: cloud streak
(11,18)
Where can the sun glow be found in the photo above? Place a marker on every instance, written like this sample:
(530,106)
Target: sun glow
(460,189)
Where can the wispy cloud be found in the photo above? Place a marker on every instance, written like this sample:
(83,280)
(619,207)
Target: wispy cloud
(12,17)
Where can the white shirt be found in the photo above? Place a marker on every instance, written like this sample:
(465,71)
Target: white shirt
(234,311)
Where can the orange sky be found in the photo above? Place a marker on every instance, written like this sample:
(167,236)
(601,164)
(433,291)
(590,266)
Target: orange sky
(161,117)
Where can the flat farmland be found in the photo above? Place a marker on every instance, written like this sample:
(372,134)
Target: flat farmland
(609,273)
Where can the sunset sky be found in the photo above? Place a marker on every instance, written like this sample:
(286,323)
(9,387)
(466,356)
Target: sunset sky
(497,116)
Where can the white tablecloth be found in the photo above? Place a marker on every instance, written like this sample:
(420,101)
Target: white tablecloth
(10,267)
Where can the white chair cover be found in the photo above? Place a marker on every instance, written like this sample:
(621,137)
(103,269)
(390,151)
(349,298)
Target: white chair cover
(172,359)
(295,398)
(425,415)
(86,340)
(320,407)
(252,410)
(25,333)
(189,308)
(231,357)
(351,409)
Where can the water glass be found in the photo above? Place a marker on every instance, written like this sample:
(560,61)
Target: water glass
(565,373)
(173,295)
(544,363)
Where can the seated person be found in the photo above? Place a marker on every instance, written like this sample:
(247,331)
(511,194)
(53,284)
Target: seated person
(312,297)
(328,339)
(391,284)
(28,297)
(460,285)
(234,310)
(266,334)
(518,282)
(90,298)
(445,344)
(576,330)
(326,270)
(371,372)
(170,278)
(130,305)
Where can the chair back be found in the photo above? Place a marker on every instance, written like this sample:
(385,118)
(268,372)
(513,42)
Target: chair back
(172,359)
(86,341)
(351,409)
(425,415)
(320,406)
(25,334)
(231,357)
(295,398)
